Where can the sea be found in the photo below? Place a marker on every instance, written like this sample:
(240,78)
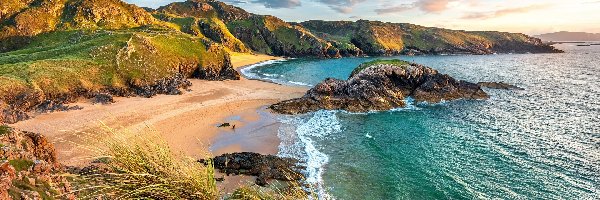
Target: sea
(539,143)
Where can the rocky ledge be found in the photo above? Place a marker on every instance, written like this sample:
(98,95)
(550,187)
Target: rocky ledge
(382,85)
(29,168)
(30,103)
(264,167)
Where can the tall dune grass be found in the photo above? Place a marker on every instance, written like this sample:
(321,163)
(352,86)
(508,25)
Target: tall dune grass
(141,166)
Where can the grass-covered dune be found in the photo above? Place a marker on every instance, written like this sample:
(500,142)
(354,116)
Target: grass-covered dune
(64,65)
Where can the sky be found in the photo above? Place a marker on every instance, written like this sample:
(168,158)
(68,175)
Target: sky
(522,16)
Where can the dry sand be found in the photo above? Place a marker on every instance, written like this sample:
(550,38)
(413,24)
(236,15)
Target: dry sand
(187,122)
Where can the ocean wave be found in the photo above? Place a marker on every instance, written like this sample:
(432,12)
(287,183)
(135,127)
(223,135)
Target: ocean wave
(298,141)
(410,106)
(250,73)
(300,83)
(247,71)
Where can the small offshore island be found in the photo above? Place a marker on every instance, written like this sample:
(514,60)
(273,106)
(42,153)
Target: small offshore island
(66,65)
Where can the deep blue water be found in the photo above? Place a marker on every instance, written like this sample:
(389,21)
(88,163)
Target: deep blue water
(540,143)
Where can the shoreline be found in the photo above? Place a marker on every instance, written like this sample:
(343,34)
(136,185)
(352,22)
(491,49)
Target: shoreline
(187,122)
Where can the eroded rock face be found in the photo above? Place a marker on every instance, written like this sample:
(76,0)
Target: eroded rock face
(27,104)
(382,85)
(264,167)
(29,167)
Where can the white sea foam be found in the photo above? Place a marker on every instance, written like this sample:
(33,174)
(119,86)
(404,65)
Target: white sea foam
(298,141)
(300,83)
(247,71)
(410,106)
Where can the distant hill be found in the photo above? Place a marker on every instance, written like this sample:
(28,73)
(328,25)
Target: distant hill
(569,36)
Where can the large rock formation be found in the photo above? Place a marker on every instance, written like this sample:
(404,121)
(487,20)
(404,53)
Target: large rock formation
(205,18)
(22,19)
(499,85)
(382,85)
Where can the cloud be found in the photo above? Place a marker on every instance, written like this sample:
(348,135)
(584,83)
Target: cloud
(504,12)
(279,3)
(432,6)
(428,6)
(342,6)
(394,9)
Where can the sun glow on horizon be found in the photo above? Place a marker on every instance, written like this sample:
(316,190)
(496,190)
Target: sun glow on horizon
(525,16)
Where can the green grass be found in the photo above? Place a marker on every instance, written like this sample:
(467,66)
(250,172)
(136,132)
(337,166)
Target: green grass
(64,62)
(44,189)
(20,164)
(4,129)
(143,167)
(395,62)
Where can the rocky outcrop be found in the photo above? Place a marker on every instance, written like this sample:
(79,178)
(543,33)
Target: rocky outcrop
(382,85)
(499,85)
(271,35)
(264,167)
(106,14)
(29,168)
(21,19)
(27,104)
(205,18)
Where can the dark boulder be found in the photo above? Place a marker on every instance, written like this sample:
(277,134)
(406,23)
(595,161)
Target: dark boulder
(499,85)
(102,98)
(382,85)
(264,167)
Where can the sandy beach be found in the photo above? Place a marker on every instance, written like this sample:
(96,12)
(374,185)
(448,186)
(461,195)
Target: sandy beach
(187,122)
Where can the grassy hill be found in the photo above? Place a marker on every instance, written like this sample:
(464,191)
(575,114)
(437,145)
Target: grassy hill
(96,46)
(381,38)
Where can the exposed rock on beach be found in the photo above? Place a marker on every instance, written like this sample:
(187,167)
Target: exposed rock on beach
(264,167)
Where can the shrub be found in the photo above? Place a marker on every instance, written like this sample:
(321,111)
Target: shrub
(4,129)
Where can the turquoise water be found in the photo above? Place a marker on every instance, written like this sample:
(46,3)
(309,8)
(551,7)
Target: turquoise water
(540,143)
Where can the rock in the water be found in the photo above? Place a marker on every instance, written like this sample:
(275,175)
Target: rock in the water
(382,85)
(499,85)
(264,167)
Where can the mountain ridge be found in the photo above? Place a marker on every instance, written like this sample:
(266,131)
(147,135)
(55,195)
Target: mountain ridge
(242,31)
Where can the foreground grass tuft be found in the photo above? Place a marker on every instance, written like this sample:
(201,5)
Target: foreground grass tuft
(4,129)
(143,167)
